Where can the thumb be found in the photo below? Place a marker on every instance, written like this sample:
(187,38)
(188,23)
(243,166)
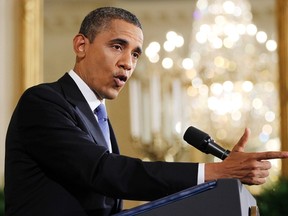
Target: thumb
(239,147)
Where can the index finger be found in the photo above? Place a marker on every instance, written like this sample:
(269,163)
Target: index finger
(270,155)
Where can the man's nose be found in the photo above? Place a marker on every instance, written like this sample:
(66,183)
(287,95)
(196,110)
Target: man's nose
(126,62)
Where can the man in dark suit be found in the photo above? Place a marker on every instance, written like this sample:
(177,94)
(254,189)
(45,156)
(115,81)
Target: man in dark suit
(58,161)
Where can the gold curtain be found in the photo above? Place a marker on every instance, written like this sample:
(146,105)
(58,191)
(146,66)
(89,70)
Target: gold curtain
(32,42)
(282,15)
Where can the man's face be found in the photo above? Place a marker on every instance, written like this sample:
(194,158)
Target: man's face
(107,63)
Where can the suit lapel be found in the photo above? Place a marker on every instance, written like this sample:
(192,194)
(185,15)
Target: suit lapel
(114,144)
(75,97)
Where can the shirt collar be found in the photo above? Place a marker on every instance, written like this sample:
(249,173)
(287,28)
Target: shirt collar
(88,94)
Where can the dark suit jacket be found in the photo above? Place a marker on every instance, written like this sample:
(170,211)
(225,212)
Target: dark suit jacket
(56,163)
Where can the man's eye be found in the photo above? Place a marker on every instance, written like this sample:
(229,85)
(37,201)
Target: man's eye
(136,55)
(118,47)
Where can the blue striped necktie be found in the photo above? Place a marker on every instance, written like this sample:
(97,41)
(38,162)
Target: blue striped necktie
(101,113)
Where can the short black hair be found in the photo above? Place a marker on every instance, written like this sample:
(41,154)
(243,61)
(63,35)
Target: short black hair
(100,18)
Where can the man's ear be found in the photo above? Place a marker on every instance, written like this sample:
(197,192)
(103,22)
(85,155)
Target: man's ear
(79,45)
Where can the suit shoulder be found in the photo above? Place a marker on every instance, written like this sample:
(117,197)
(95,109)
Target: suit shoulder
(54,89)
(43,88)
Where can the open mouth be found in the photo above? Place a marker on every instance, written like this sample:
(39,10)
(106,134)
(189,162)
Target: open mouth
(123,78)
(120,80)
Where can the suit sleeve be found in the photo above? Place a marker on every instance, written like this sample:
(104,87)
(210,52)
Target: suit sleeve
(56,138)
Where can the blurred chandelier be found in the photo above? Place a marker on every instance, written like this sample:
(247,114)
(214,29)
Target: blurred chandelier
(229,81)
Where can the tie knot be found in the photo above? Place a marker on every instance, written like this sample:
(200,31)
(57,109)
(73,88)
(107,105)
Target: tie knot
(101,113)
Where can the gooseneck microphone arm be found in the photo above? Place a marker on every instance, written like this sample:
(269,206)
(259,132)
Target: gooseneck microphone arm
(203,142)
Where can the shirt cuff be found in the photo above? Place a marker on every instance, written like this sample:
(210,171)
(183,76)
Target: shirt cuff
(201,173)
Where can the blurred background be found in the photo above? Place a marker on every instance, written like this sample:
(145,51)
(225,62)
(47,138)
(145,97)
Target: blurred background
(217,65)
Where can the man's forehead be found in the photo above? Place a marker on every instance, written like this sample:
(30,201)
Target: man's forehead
(122,28)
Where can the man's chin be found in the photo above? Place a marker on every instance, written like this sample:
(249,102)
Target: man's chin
(112,95)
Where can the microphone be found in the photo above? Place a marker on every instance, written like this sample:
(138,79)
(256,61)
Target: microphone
(203,142)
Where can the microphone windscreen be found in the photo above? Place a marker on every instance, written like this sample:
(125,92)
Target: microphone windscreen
(195,137)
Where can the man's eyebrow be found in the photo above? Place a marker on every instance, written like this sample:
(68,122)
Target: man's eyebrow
(119,41)
(125,42)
